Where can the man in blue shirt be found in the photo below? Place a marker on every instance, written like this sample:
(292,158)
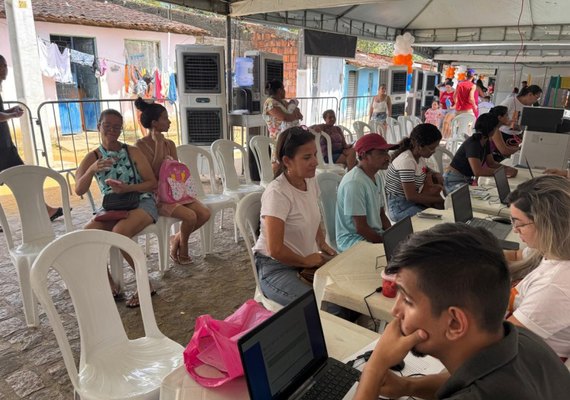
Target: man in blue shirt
(360,199)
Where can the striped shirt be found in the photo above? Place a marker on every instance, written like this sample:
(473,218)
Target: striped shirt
(405,169)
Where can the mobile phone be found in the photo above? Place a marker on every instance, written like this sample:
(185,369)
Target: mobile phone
(429,215)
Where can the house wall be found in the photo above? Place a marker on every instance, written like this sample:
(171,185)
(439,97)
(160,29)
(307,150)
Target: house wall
(109,44)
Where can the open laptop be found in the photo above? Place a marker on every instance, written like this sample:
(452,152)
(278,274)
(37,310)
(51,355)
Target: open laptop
(463,212)
(395,235)
(529,168)
(285,357)
(502,183)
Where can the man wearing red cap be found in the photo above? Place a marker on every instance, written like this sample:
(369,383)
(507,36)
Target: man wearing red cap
(360,200)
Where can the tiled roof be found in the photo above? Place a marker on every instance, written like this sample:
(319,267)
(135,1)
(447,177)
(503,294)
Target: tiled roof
(371,60)
(94,13)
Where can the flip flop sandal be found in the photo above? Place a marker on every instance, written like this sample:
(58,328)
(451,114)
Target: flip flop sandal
(58,213)
(136,296)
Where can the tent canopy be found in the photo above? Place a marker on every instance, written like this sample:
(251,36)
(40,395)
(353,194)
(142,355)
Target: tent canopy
(532,31)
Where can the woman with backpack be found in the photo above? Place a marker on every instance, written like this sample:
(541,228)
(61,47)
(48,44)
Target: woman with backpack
(157,149)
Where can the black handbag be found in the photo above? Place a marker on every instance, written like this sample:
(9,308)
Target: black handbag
(121,201)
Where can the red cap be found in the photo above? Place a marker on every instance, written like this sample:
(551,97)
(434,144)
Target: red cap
(372,141)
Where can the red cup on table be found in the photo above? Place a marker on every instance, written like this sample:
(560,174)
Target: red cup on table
(389,288)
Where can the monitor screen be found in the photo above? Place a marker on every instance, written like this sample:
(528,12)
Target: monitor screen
(461,201)
(326,44)
(542,119)
(395,235)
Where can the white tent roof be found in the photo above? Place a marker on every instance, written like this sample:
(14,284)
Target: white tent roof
(449,30)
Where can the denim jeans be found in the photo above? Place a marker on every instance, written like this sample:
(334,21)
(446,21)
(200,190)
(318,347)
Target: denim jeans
(279,282)
(452,180)
(399,207)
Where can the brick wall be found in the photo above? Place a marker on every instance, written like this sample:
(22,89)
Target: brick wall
(288,48)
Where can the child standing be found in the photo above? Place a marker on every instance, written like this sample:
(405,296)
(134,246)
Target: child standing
(434,115)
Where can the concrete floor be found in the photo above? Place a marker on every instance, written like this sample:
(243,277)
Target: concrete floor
(31,365)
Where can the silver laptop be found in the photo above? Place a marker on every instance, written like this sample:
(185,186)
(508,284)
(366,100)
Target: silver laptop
(463,212)
(502,183)
(285,357)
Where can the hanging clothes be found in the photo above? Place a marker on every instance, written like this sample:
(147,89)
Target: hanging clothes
(102,66)
(165,81)
(48,64)
(81,58)
(63,62)
(172,89)
(157,85)
(127,78)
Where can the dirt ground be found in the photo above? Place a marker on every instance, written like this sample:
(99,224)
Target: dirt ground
(31,365)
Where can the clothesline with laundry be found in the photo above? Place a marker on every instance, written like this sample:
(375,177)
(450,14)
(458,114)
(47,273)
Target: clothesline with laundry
(56,64)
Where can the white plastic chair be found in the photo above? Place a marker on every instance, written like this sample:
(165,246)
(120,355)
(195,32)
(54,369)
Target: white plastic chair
(27,183)
(461,127)
(223,152)
(406,124)
(348,136)
(361,128)
(110,365)
(247,217)
(261,147)
(394,131)
(415,120)
(189,155)
(328,185)
(323,166)
(436,161)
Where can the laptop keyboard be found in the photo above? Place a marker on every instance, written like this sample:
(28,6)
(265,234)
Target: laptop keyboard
(333,383)
(500,231)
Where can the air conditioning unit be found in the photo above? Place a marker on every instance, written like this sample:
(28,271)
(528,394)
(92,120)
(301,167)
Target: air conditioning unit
(430,82)
(266,67)
(202,93)
(396,88)
(417,91)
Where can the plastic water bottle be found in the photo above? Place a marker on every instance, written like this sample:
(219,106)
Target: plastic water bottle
(244,72)
(448,103)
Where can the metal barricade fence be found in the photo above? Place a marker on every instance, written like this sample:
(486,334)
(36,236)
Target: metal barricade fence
(16,126)
(353,108)
(71,126)
(312,108)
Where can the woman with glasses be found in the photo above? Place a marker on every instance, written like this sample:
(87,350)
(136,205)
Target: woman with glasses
(157,148)
(291,238)
(540,301)
(119,168)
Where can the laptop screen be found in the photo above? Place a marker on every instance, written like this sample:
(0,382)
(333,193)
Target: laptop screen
(502,183)
(461,200)
(283,351)
(396,234)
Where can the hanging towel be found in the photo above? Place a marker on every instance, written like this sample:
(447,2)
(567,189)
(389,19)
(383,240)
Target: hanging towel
(102,66)
(165,81)
(172,89)
(157,85)
(81,58)
(127,78)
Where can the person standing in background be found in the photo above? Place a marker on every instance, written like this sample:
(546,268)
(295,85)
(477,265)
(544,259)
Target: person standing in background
(465,101)
(9,156)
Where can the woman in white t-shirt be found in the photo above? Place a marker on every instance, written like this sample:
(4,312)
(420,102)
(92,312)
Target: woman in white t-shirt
(540,301)
(410,185)
(291,238)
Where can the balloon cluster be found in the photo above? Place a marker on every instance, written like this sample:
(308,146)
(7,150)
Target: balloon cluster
(461,72)
(403,50)
(450,72)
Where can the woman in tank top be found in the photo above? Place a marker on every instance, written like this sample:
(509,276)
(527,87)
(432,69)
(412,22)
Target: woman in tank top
(381,108)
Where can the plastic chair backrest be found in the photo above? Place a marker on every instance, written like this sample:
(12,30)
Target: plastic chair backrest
(261,147)
(247,218)
(393,133)
(190,155)
(27,185)
(97,315)
(320,156)
(360,127)
(406,125)
(437,158)
(328,185)
(462,125)
(348,136)
(223,151)
(382,174)
(415,121)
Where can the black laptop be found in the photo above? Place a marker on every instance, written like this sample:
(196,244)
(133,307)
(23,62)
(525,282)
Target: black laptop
(285,357)
(395,235)
(502,183)
(463,212)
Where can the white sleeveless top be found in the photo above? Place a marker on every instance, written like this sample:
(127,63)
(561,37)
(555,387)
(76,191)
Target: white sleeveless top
(379,107)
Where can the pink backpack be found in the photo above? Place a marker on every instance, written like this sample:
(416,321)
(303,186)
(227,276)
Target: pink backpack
(175,183)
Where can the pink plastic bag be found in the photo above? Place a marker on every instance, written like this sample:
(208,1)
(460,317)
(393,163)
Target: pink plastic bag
(215,343)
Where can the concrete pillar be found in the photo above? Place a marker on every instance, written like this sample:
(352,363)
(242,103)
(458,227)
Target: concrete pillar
(27,75)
